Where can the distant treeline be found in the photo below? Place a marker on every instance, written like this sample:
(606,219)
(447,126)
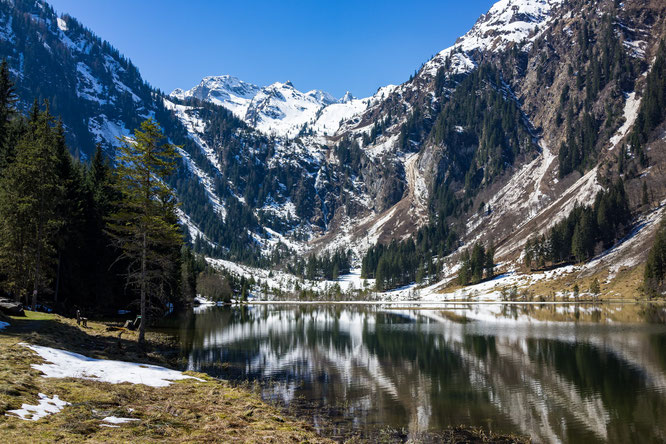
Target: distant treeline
(324,266)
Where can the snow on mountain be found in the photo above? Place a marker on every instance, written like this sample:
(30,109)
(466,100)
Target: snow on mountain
(507,21)
(279,108)
(227,91)
(283,110)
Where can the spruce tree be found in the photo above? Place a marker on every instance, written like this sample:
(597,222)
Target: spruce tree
(30,192)
(144,225)
(7,111)
(490,262)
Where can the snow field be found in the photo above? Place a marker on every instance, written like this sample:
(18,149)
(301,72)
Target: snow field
(65,364)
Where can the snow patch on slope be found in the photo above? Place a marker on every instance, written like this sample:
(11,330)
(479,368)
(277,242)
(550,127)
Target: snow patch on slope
(631,106)
(45,407)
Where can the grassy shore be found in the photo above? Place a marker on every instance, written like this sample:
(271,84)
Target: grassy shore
(186,411)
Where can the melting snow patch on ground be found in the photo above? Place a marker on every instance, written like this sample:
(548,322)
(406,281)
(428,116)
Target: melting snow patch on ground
(65,364)
(117,420)
(45,407)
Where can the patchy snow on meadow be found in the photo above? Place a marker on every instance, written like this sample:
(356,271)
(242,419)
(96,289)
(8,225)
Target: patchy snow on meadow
(45,407)
(117,420)
(65,364)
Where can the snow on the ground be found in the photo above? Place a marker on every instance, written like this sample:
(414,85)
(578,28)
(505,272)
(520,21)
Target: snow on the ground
(279,108)
(66,364)
(227,91)
(45,407)
(3,325)
(106,130)
(204,301)
(489,290)
(586,189)
(205,180)
(507,21)
(522,192)
(631,105)
(287,282)
(117,420)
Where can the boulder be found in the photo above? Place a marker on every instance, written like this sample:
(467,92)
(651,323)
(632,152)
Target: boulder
(11,308)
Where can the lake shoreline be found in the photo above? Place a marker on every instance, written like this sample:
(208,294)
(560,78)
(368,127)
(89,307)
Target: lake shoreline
(243,413)
(185,411)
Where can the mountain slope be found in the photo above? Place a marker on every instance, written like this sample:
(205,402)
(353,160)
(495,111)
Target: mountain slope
(540,106)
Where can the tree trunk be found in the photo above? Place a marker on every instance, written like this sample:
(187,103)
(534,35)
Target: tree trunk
(57,286)
(37,266)
(142,325)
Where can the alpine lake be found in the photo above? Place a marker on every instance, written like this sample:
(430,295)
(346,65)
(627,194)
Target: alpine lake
(556,372)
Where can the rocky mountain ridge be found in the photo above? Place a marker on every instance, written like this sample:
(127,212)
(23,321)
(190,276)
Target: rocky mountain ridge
(278,108)
(495,139)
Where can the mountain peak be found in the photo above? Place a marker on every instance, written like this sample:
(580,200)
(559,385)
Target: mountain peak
(507,22)
(348,97)
(278,108)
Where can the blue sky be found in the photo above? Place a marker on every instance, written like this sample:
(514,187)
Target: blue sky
(331,45)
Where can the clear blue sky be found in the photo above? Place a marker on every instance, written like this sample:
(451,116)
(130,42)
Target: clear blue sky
(334,45)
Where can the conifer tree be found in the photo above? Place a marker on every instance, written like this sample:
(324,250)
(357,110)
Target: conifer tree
(7,111)
(490,262)
(30,192)
(144,225)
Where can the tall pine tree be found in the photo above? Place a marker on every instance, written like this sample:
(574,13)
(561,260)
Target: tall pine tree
(144,225)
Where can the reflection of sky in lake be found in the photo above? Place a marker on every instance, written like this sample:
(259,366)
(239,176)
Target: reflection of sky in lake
(557,373)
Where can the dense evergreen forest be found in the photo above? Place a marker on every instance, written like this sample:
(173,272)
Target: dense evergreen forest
(586,231)
(86,236)
(476,265)
(655,268)
(323,266)
(603,62)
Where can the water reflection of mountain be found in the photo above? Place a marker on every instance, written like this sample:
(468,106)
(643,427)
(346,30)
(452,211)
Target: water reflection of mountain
(426,370)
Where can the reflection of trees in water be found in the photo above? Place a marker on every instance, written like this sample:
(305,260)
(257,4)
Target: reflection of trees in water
(387,369)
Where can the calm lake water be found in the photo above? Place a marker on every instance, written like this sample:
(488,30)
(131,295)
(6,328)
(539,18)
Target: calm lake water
(556,373)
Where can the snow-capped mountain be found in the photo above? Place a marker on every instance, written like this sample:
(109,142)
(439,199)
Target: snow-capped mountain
(279,108)
(515,124)
(227,91)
